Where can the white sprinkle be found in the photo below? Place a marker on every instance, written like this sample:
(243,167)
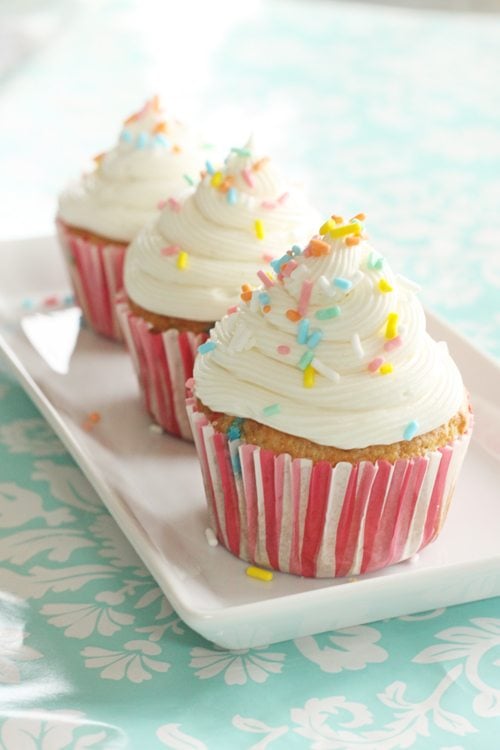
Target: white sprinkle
(356,345)
(156,429)
(326,287)
(211,538)
(408,284)
(320,367)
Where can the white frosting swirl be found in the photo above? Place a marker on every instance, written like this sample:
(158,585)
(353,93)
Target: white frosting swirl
(148,165)
(236,219)
(254,370)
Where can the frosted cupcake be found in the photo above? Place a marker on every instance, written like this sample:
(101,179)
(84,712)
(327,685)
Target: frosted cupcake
(330,426)
(185,269)
(99,215)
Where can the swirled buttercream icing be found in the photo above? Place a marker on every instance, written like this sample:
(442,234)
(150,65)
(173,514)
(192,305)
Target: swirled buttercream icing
(191,261)
(333,348)
(155,158)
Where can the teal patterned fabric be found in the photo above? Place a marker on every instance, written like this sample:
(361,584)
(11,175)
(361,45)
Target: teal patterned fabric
(390,112)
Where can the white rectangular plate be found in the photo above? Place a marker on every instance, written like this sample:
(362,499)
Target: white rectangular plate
(152,485)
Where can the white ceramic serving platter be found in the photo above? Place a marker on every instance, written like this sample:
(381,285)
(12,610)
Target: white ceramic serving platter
(152,486)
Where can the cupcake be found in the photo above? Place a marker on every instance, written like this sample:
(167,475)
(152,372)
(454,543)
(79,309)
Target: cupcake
(185,269)
(329,425)
(98,216)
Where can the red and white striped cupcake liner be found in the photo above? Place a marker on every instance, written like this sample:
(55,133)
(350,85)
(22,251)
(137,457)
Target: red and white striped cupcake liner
(163,362)
(96,271)
(321,521)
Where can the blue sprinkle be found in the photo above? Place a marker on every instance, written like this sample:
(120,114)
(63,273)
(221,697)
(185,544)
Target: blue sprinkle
(27,304)
(208,346)
(306,359)
(209,167)
(314,339)
(379,264)
(235,460)
(342,283)
(296,250)
(69,299)
(126,136)
(232,196)
(161,140)
(141,140)
(234,431)
(264,298)
(411,430)
(276,264)
(302,331)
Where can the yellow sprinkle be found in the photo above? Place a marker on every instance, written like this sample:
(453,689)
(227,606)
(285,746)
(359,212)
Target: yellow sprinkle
(309,376)
(386,368)
(259,229)
(344,229)
(325,228)
(216,180)
(259,573)
(391,329)
(384,286)
(182,260)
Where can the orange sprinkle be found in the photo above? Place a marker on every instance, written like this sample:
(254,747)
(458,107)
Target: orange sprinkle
(176,149)
(317,248)
(98,159)
(226,184)
(293,315)
(94,417)
(131,119)
(246,292)
(361,217)
(337,219)
(352,240)
(203,174)
(266,308)
(256,166)
(155,103)
(160,127)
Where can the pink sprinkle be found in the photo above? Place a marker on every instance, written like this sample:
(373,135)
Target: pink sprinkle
(50,301)
(189,384)
(305,296)
(247,177)
(375,364)
(289,267)
(393,344)
(161,205)
(170,250)
(267,258)
(268,204)
(265,279)
(283,349)
(174,204)
(283,197)
(232,310)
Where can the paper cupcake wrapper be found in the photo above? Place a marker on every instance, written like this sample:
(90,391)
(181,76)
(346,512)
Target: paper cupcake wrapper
(321,521)
(96,271)
(163,362)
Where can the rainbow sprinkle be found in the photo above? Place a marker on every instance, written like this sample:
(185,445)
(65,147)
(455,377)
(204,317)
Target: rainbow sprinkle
(295,250)
(306,360)
(325,228)
(288,268)
(391,329)
(305,296)
(160,140)
(126,136)
(314,339)
(259,573)
(208,346)
(247,177)
(411,430)
(317,248)
(265,278)
(232,196)
(232,310)
(327,312)
(302,331)
(293,315)
(343,230)
(141,140)
(174,204)
(324,370)
(170,250)
(241,151)
(384,286)
(356,346)
(283,349)
(386,368)
(309,376)
(216,179)
(264,298)
(283,198)
(374,365)
(375,261)
(209,167)
(393,344)
(342,283)
(188,179)
(182,260)
(269,205)
(269,411)
(259,229)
